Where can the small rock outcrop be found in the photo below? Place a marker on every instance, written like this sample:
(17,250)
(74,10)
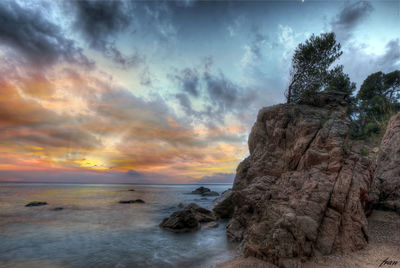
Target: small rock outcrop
(36,204)
(205,192)
(189,219)
(201,190)
(387,174)
(301,192)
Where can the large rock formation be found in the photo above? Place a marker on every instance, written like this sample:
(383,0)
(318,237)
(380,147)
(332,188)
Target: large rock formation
(387,182)
(301,192)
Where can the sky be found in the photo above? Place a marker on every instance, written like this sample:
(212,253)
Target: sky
(160,91)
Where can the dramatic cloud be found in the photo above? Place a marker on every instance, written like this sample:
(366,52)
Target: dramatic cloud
(100,22)
(350,16)
(28,33)
(355,56)
(189,80)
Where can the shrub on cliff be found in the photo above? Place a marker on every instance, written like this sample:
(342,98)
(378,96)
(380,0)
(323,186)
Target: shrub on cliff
(311,69)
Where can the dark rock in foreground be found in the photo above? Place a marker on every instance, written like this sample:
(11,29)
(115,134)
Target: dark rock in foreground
(188,219)
(201,190)
(223,205)
(35,204)
(131,201)
(301,192)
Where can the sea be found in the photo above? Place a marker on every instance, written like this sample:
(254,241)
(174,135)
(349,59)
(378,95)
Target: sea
(94,230)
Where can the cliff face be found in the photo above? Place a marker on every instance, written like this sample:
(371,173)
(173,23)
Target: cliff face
(387,175)
(301,191)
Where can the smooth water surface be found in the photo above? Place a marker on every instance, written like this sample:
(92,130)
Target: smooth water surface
(94,230)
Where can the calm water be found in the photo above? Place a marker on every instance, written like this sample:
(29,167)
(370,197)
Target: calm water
(94,230)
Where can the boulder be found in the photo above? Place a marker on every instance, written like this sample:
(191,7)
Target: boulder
(201,190)
(387,174)
(301,192)
(35,204)
(188,219)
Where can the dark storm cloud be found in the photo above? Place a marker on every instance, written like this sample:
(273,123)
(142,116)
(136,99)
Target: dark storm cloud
(391,59)
(189,81)
(354,56)
(349,17)
(38,40)
(100,22)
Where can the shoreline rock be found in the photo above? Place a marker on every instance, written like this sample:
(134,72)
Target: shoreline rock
(189,219)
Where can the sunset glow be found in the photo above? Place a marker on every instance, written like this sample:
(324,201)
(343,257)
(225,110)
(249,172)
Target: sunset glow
(143,93)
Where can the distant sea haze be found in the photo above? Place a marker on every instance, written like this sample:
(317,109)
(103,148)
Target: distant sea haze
(94,230)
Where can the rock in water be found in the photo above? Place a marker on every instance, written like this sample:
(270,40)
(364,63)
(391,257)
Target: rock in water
(201,190)
(35,204)
(301,191)
(131,201)
(188,219)
(387,175)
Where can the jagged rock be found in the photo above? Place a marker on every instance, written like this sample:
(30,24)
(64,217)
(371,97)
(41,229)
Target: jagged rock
(387,174)
(201,190)
(131,201)
(301,192)
(188,219)
(35,204)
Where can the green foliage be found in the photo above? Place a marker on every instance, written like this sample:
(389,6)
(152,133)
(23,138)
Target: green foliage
(376,102)
(310,68)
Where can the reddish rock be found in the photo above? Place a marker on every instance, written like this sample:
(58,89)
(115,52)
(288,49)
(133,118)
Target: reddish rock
(387,175)
(298,193)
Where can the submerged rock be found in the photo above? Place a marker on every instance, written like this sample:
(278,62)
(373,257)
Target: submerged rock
(211,193)
(58,208)
(131,201)
(188,219)
(35,204)
(301,192)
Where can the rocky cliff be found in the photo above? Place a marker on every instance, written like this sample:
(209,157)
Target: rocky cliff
(302,191)
(386,191)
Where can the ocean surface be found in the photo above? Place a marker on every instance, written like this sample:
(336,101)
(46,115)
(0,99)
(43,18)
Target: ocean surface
(94,230)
